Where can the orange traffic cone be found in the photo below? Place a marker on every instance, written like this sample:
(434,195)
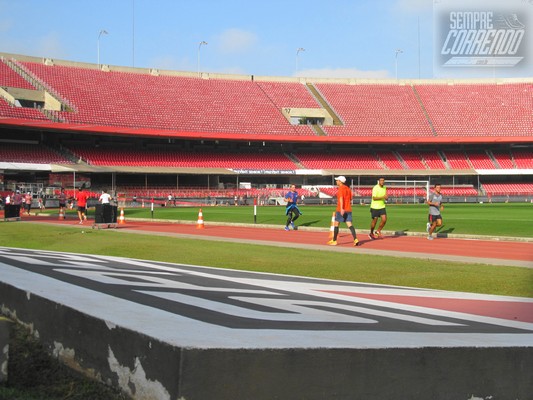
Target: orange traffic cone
(61,214)
(332,227)
(121,219)
(200,223)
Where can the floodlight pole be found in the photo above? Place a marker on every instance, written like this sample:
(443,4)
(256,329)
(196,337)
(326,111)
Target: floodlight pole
(398,51)
(297,53)
(102,32)
(203,42)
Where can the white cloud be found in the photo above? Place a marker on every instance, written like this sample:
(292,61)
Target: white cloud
(171,63)
(235,41)
(343,73)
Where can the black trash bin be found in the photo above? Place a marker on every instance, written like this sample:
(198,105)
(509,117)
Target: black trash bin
(11,211)
(105,214)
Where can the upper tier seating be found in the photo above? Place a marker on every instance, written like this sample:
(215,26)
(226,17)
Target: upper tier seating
(479,109)
(10,78)
(30,153)
(375,110)
(253,107)
(166,102)
(7,110)
(183,159)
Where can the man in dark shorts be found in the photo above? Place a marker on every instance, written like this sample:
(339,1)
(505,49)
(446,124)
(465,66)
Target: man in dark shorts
(62,202)
(81,199)
(435,207)
(377,208)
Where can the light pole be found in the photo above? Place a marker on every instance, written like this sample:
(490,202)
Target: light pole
(199,47)
(297,53)
(102,32)
(398,51)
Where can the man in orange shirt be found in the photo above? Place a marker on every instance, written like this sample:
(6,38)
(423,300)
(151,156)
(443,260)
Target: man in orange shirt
(343,213)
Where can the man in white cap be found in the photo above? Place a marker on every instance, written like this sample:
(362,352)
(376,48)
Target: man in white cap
(343,213)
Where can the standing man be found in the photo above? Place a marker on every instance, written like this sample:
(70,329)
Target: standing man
(17,200)
(435,207)
(343,212)
(81,199)
(377,208)
(62,202)
(27,202)
(292,211)
(105,197)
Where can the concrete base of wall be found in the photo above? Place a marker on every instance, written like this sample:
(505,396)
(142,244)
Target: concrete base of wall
(5,335)
(147,368)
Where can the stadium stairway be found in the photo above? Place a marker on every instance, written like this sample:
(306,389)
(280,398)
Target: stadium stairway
(324,104)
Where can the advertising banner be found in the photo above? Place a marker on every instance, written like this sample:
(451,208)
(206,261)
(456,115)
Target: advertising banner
(483,39)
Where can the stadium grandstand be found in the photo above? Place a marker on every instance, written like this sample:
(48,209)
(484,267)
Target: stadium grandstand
(148,132)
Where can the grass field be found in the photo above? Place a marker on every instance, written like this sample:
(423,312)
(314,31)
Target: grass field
(502,219)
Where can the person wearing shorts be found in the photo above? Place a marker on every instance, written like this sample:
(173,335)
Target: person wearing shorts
(292,211)
(435,207)
(343,212)
(27,202)
(62,202)
(81,199)
(378,208)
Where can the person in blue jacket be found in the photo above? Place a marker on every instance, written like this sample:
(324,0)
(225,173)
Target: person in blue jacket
(292,211)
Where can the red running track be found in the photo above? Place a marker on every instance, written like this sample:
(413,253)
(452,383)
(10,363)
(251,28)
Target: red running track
(452,248)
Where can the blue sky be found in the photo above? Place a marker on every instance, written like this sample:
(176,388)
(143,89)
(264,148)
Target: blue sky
(340,38)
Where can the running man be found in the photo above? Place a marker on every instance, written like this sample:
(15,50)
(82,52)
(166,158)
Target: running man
(377,208)
(343,213)
(292,211)
(435,207)
(81,199)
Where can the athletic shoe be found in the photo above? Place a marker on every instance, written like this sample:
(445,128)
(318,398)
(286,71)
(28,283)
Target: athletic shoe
(287,229)
(85,217)
(81,222)
(428,226)
(356,243)
(430,237)
(378,235)
(292,224)
(371,236)
(332,243)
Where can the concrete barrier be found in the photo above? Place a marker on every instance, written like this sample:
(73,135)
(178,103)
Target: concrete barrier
(164,331)
(5,335)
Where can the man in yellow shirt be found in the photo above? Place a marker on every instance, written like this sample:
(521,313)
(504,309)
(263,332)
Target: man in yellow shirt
(377,208)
